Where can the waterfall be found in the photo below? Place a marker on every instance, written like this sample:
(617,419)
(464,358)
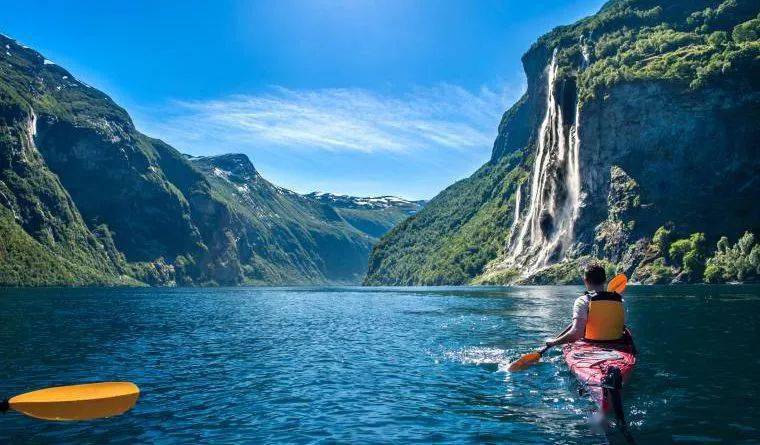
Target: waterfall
(518,196)
(585,53)
(31,127)
(30,133)
(516,218)
(545,231)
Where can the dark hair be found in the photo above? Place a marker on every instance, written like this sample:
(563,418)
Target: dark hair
(595,274)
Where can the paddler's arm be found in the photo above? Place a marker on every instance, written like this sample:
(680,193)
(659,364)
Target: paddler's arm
(577,329)
(573,332)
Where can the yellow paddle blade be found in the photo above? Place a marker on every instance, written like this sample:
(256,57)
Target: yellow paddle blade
(77,402)
(617,284)
(525,361)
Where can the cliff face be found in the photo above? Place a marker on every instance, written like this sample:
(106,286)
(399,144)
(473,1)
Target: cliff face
(694,158)
(43,237)
(280,235)
(87,199)
(641,116)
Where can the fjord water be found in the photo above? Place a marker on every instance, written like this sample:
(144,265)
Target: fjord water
(364,365)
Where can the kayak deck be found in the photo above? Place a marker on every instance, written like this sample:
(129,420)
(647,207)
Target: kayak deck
(592,361)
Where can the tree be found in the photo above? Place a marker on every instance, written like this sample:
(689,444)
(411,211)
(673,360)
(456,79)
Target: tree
(740,262)
(748,31)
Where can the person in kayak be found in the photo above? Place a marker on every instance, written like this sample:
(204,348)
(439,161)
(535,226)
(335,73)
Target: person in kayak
(598,315)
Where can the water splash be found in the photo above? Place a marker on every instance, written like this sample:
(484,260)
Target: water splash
(479,355)
(545,233)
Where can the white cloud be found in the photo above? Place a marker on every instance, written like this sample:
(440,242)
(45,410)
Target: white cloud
(340,119)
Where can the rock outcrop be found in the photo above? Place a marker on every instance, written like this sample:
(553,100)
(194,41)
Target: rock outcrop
(640,116)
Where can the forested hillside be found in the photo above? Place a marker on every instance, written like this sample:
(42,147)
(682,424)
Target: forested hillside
(637,121)
(86,199)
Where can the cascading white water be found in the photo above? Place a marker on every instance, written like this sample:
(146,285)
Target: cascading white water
(516,218)
(546,230)
(32,126)
(518,197)
(31,132)
(585,53)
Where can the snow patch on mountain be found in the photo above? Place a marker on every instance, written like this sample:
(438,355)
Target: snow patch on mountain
(368,203)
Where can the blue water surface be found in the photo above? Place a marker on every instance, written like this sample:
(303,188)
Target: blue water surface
(374,365)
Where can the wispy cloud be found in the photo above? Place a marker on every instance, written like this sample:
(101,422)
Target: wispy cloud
(444,116)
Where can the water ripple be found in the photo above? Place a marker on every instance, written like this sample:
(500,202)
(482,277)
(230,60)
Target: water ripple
(369,365)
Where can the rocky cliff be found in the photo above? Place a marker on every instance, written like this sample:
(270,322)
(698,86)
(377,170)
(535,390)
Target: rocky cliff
(87,199)
(280,234)
(643,116)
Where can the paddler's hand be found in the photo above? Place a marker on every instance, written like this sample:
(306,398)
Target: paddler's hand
(550,342)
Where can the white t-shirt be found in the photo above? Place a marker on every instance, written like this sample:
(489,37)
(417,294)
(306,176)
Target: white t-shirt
(580,310)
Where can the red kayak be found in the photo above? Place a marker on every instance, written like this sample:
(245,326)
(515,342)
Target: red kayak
(603,368)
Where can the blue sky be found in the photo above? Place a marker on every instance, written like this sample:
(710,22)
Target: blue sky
(355,96)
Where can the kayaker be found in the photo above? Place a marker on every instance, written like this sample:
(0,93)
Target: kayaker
(598,315)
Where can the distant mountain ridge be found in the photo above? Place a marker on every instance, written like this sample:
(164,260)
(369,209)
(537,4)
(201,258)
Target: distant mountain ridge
(374,202)
(374,216)
(86,199)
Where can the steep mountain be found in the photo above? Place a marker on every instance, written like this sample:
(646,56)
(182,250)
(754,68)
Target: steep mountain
(635,144)
(281,234)
(87,199)
(374,216)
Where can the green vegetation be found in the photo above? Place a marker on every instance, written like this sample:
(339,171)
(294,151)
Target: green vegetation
(682,259)
(47,241)
(456,234)
(689,254)
(284,237)
(740,262)
(44,238)
(26,262)
(86,199)
(746,32)
(498,277)
(662,239)
(374,223)
(688,259)
(687,43)
(687,48)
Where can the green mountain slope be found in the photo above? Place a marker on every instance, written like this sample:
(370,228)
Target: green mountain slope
(45,240)
(639,117)
(87,199)
(283,235)
(454,236)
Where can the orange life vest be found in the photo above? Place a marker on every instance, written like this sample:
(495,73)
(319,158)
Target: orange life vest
(606,317)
